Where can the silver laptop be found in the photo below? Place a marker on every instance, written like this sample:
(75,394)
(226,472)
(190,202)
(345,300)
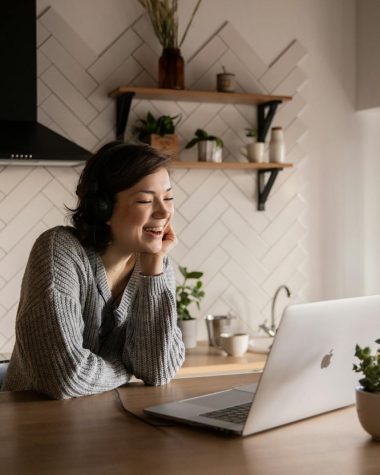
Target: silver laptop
(308,371)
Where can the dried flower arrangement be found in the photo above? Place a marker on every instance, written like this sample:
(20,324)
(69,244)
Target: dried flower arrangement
(163,15)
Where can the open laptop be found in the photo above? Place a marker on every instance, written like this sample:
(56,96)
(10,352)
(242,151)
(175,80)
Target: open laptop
(308,371)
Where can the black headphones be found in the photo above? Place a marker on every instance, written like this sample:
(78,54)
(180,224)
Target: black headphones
(99,202)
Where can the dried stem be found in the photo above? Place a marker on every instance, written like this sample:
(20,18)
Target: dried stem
(190,22)
(163,15)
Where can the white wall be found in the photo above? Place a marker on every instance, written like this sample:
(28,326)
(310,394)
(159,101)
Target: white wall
(329,180)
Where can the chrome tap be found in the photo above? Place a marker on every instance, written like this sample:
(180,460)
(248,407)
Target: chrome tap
(273,318)
(271,331)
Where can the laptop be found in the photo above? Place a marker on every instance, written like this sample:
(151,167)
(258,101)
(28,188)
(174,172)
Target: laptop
(308,371)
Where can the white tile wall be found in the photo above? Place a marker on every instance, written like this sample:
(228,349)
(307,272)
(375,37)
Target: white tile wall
(243,253)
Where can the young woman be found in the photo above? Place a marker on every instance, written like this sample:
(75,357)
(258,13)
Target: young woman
(98,299)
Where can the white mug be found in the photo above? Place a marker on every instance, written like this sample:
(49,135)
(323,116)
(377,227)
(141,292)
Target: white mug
(235,344)
(254,151)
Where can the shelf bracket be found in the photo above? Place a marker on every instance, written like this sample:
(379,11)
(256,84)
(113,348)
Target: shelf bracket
(265,188)
(265,114)
(123,105)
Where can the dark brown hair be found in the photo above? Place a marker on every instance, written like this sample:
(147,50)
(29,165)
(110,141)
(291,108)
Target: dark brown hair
(114,168)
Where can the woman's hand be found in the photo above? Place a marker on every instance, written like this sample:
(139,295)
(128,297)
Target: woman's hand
(152,264)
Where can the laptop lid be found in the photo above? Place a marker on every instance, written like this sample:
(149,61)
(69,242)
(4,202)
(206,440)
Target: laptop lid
(309,369)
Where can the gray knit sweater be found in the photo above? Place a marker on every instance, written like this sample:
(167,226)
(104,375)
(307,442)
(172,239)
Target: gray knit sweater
(72,340)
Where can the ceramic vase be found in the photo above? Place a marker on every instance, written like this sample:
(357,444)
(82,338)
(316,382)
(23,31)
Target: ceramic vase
(277,146)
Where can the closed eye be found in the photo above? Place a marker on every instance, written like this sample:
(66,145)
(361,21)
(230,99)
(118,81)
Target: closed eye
(150,201)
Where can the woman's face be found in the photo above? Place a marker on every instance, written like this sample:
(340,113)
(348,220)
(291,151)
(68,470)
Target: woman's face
(141,214)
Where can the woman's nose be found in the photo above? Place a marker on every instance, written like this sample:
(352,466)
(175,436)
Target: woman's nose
(162,210)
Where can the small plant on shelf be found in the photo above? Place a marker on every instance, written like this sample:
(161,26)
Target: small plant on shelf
(251,132)
(187,295)
(201,135)
(159,133)
(161,126)
(209,146)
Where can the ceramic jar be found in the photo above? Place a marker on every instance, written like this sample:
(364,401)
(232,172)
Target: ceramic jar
(277,145)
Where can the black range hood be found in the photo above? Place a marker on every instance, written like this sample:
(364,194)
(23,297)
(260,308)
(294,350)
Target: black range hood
(23,141)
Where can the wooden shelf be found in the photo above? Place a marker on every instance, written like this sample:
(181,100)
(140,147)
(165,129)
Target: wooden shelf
(229,165)
(197,96)
(266,108)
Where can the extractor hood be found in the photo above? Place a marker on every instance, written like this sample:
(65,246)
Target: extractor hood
(23,141)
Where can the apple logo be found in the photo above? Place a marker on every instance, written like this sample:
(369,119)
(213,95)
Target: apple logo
(326,360)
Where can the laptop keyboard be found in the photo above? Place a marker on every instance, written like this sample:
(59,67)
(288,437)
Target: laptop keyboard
(236,414)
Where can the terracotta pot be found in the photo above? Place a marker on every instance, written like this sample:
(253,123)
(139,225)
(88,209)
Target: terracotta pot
(171,69)
(368,408)
(189,332)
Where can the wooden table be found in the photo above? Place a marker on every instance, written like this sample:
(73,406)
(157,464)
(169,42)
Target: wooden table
(95,435)
(208,360)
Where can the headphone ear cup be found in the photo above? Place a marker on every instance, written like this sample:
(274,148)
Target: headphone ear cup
(103,208)
(99,207)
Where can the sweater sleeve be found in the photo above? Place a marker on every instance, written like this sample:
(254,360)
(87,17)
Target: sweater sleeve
(153,348)
(49,329)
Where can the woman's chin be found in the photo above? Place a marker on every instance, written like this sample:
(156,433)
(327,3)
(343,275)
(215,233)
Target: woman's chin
(152,248)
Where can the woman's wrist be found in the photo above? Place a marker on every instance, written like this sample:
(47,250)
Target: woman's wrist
(151,264)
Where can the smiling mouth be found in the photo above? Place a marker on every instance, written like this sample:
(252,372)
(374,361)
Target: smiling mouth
(156,231)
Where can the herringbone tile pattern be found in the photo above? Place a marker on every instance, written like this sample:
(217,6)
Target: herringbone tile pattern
(245,254)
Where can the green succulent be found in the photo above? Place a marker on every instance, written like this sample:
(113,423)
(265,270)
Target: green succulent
(188,294)
(251,132)
(370,367)
(201,135)
(162,125)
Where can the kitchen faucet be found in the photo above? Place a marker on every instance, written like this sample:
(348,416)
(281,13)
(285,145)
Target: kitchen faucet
(271,331)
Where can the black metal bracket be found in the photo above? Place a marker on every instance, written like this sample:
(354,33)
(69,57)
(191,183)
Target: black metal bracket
(263,187)
(265,114)
(123,105)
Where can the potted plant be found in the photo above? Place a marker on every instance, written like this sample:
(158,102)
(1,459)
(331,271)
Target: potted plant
(159,133)
(209,146)
(163,15)
(368,393)
(254,150)
(187,295)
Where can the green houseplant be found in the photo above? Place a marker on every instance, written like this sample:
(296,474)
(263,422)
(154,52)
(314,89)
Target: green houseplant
(186,295)
(209,146)
(251,132)
(368,393)
(159,133)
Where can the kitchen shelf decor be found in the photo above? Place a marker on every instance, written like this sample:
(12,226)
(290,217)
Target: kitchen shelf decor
(266,109)
(163,15)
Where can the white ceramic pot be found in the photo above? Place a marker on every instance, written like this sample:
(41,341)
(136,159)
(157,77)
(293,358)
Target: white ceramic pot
(208,151)
(189,332)
(368,408)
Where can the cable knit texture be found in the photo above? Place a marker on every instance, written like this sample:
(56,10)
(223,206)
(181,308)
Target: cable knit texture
(71,340)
